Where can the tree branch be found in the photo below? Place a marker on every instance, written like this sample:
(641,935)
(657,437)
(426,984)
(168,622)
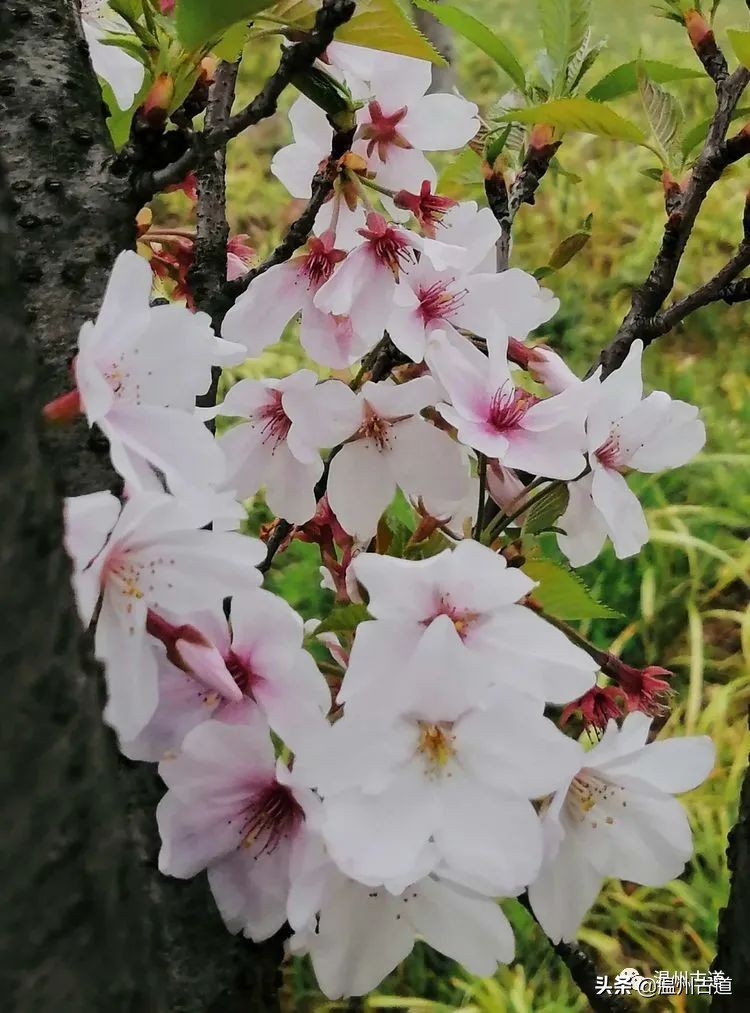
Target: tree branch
(717,153)
(294,59)
(506,203)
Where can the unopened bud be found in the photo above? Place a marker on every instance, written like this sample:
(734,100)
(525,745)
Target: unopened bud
(542,136)
(698,28)
(64,408)
(159,99)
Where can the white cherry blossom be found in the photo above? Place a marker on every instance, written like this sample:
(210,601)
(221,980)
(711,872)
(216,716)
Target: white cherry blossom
(625,431)
(617,817)
(443,785)
(506,422)
(122,72)
(234,810)
(261,313)
(362,933)
(264,451)
(389,445)
(474,588)
(153,554)
(139,370)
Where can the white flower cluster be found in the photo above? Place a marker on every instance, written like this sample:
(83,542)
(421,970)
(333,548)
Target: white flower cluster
(430,782)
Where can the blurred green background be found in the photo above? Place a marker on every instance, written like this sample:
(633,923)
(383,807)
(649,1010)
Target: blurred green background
(685,598)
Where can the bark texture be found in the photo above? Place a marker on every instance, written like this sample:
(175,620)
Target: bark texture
(90,923)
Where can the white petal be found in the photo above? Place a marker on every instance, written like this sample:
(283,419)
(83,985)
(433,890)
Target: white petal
(564,891)
(360,487)
(440,122)
(584,527)
(129,666)
(262,312)
(251,891)
(669,765)
(621,510)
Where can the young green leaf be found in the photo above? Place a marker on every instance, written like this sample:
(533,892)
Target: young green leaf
(562,593)
(623,80)
(482,37)
(664,116)
(344,619)
(740,41)
(565,25)
(543,514)
(201,24)
(381,24)
(579,114)
(461,175)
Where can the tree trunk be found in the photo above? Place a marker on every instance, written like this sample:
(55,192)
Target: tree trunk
(91,923)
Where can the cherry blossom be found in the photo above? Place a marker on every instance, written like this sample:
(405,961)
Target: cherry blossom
(617,817)
(443,785)
(224,669)
(503,421)
(401,121)
(475,589)
(234,810)
(625,431)
(152,555)
(122,72)
(261,313)
(362,933)
(484,304)
(129,388)
(265,451)
(389,445)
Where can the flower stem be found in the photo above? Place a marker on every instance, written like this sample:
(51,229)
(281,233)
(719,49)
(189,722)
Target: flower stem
(479,526)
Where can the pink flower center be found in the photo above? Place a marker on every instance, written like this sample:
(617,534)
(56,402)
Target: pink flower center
(375,428)
(276,422)
(382,130)
(508,408)
(462,619)
(274,815)
(388,244)
(609,453)
(243,673)
(438,303)
(319,264)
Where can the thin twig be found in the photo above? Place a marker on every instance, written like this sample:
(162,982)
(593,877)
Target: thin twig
(716,155)
(294,60)
(479,526)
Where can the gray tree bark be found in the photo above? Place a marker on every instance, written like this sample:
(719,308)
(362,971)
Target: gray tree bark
(90,923)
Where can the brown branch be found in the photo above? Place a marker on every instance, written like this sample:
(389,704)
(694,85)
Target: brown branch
(716,155)
(505,203)
(294,60)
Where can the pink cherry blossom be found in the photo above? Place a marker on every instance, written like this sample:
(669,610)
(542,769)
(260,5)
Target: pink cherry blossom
(496,418)
(388,445)
(233,810)
(475,589)
(365,284)
(261,313)
(264,451)
(625,431)
(129,386)
(227,669)
(153,554)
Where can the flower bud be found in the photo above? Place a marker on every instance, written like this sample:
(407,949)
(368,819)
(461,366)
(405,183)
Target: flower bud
(64,408)
(160,97)
(547,367)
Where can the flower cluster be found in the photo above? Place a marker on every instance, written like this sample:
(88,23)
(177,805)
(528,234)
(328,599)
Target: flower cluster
(426,774)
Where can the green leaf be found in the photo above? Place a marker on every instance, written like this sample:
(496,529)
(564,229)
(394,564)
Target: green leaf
(664,115)
(623,80)
(740,41)
(543,514)
(482,37)
(232,43)
(579,114)
(565,25)
(698,134)
(569,248)
(562,593)
(328,94)
(343,620)
(381,24)
(200,24)
(460,175)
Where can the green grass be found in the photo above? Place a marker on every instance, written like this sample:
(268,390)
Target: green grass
(685,598)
